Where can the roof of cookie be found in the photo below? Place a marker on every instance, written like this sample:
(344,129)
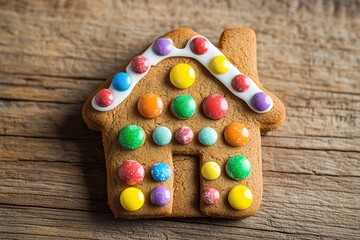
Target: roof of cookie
(205,53)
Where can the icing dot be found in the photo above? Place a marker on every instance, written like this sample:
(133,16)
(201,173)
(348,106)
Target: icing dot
(161,172)
(240,197)
(139,64)
(261,101)
(131,172)
(121,81)
(208,136)
(184,135)
(162,46)
(210,170)
(131,137)
(210,196)
(238,167)
(240,83)
(215,106)
(219,64)
(183,106)
(236,134)
(104,97)
(160,196)
(162,135)
(199,45)
(150,105)
(182,75)
(132,199)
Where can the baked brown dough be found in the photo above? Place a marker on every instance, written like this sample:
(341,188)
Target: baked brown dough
(186,182)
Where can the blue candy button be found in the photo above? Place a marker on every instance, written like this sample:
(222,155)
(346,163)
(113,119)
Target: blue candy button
(121,81)
(161,172)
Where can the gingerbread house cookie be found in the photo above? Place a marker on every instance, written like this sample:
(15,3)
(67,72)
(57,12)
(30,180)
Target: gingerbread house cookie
(181,127)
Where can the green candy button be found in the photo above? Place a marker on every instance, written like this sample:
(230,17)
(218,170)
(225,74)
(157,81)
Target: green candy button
(131,137)
(183,106)
(238,167)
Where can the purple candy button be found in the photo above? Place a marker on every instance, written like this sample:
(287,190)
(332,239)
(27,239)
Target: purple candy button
(261,101)
(160,196)
(162,46)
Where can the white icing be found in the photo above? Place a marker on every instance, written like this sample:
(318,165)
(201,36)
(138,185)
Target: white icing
(204,59)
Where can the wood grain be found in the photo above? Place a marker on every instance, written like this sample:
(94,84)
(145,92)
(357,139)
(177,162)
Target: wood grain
(53,54)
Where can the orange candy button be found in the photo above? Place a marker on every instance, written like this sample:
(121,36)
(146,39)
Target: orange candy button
(236,134)
(150,105)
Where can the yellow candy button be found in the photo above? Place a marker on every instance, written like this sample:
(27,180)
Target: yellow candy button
(210,170)
(219,64)
(132,199)
(240,197)
(182,75)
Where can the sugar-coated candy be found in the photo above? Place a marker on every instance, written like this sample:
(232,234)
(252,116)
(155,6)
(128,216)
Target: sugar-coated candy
(104,97)
(219,64)
(236,134)
(140,64)
(210,170)
(182,75)
(261,101)
(161,172)
(160,196)
(215,106)
(162,46)
(184,135)
(240,83)
(210,196)
(131,137)
(199,45)
(207,136)
(150,105)
(162,135)
(132,199)
(183,106)
(238,167)
(121,81)
(131,172)
(240,197)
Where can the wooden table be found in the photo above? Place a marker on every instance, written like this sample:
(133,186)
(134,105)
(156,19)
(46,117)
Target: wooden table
(53,54)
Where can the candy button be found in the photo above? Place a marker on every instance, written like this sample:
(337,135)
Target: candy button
(161,172)
(199,45)
(215,106)
(261,101)
(104,97)
(131,137)
(139,64)
(131,172)
(160,196)
(183,106)
(236,134)
(184,135)
(210,171)
(240,197)
(121,81)
(150,105)
(162,135)
(238,167)
(208,136)
(219,64)
(210,196)
(132,199)
(240,83)
(162,46)
(182,75)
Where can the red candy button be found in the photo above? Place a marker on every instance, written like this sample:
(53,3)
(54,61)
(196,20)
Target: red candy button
(240,83)
(140,64)
(215,106)
(184,135)
(131,172)
(104,97)
(210,196)
(199,45)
